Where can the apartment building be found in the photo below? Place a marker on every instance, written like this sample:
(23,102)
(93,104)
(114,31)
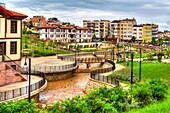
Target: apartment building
(123,29)
(66,33)
(149,31)
(101,27)
(115,28)
(137,32)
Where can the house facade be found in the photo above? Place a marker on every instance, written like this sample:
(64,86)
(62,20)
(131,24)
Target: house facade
(10,34)
(38,21)
(10,46)
(66,33)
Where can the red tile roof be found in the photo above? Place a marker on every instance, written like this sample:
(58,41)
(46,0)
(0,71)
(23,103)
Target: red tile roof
(12,13)
(48,27)
(81,28)
(67,27)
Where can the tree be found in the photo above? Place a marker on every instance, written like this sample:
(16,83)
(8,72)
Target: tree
(24,31)
(94,37)
(54,18)
(160,41)
(106,38)
(153,41)
(30,24)
(133,39)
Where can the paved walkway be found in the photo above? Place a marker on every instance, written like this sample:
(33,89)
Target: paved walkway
(17,85)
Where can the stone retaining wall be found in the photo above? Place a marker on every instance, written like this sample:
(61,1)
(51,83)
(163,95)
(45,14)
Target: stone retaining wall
(92,84)
(59,75)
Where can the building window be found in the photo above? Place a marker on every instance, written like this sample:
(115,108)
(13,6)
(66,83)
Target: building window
(13,26)
(51,35)
(51,30)
(13,48)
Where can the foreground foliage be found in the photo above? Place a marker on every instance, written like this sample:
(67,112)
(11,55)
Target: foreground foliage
(22,106)
(114,100)
(101,100)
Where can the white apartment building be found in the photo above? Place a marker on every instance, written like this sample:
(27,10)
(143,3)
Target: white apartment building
(66,33)
(137,32)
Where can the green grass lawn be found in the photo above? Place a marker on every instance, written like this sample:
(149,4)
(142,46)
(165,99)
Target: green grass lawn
(149,70)
(157,107)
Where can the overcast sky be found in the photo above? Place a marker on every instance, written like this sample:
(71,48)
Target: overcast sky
(75,11)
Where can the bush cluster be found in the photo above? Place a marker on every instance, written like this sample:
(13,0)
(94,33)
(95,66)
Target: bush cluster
(101,100)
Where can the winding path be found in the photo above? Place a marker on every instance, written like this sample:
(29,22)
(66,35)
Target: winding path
(61,90)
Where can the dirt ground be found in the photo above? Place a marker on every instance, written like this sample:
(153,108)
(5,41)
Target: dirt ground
(61,90)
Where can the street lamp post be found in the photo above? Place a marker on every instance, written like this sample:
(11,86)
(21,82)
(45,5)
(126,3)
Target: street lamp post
(140,65)
(29,77)
(131,68)
(113,54)
(57,47)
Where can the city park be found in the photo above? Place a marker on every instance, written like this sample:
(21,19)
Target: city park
(120,77)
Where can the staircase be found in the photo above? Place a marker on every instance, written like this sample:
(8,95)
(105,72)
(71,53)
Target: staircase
(8,75)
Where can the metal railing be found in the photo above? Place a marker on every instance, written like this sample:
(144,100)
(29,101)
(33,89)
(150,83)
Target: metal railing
(72,57)
(103,78)
(12,94)
(52,69)
(96,74)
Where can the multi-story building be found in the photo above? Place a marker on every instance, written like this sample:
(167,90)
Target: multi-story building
(10,45)
(123,29)
(53,22)
(11,33)
(66,33)
(115,28)
(164,34)
(149,31)
(100,27)
(38,21)
(137,32)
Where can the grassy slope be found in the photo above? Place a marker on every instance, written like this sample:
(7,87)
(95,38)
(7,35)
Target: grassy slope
(150,70)
(158,107)
(40,47)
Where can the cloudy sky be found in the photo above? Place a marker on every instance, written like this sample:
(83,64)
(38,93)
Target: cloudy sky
(75,11)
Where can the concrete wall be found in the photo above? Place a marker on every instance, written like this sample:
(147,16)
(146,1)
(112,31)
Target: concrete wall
(92,84)
(59,75)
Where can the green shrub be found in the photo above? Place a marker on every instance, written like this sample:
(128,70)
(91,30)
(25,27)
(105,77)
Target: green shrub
(149,56)
(158,89)
(22,106)
(141,93)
